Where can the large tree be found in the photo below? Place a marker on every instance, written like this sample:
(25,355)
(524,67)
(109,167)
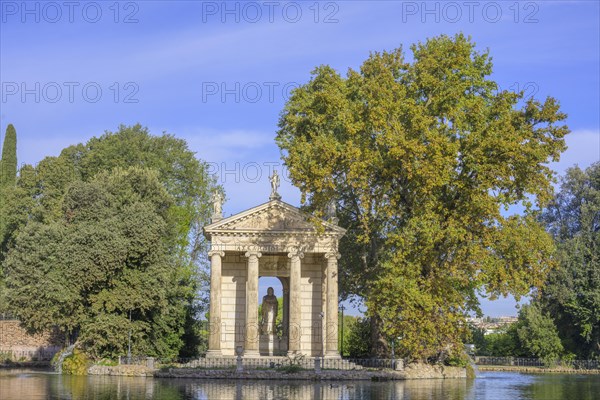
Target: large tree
(572,293)
(108,258)
(421,158)
(40,193)
(537,334)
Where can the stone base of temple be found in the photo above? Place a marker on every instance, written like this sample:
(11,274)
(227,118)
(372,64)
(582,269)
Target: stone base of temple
(258,361)
(214,354)
(251,354)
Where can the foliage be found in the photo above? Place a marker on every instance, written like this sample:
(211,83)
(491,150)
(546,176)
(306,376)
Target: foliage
(202,334)
(195,340)
(501,344)
(106,262)
(533,335)
(107,229)
(458,360)
(8,176)
(349,323)
(470,372)
(8,163)
(537,334)
(421,157)
(6,356)
(294,363)
(107,362)
(76,364)
(290,369)
(359,335)
(183,176)
(572,292)
(295,359)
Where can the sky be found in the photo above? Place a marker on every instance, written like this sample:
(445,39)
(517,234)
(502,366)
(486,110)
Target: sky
(217,74)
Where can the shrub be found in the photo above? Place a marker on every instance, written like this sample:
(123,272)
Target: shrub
(290,369)
(76,364)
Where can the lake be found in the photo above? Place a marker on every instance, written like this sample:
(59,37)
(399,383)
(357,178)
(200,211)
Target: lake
(31,384)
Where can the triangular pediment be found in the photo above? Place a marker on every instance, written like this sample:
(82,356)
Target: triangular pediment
(273,216)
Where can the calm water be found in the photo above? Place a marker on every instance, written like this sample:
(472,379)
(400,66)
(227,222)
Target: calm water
(25,385)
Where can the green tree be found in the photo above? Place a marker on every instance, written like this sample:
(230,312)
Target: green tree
(8,163)
(184,177)
(572,292)
(41,191)
(8,176)
(421,157)
(538,335)
(501,343)
(349,323)
(105,268)
(358,344)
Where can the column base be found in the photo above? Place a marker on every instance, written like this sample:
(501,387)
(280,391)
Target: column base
(291,353)
(251,354)
(333,355)
(214,354)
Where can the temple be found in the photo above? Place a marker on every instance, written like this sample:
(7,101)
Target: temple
(278,240)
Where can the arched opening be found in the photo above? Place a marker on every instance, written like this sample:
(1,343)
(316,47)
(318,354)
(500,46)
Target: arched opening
(273,315)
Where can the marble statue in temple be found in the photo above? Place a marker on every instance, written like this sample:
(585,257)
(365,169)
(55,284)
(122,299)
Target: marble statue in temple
(269,312)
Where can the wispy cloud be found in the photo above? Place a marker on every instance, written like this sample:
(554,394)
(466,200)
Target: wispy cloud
(222,145)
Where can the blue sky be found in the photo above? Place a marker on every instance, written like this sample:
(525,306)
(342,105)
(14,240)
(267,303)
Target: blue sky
(218,73)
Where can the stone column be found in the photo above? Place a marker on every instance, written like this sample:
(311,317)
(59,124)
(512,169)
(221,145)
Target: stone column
(214,331)
(295,313)
(252,331)
(285,283)
(331,340)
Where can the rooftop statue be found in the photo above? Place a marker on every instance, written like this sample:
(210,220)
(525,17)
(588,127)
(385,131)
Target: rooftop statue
(274,186)
(218,200)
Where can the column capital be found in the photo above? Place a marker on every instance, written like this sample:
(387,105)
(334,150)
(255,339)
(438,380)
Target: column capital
(295,253)
(220,253)
(253,253)
(332,254)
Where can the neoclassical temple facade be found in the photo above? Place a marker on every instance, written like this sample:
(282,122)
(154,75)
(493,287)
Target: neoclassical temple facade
(278,240)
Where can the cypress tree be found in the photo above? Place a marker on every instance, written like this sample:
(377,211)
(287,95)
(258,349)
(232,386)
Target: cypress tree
(8,164)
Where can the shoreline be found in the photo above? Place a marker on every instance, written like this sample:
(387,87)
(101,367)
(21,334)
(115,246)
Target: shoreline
(26,364)
(536,370)
(409,373)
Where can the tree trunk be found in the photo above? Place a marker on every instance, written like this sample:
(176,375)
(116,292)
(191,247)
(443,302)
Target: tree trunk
(379,344)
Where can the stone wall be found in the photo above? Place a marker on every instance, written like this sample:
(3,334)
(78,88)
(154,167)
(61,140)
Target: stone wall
(18,345)
(233,303)
(121,370)
(428,371)
(414,371)
(311,279)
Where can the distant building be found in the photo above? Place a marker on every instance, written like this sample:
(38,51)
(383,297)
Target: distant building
(492,324)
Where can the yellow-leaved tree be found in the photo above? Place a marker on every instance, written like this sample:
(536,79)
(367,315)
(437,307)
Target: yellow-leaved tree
(421,158)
